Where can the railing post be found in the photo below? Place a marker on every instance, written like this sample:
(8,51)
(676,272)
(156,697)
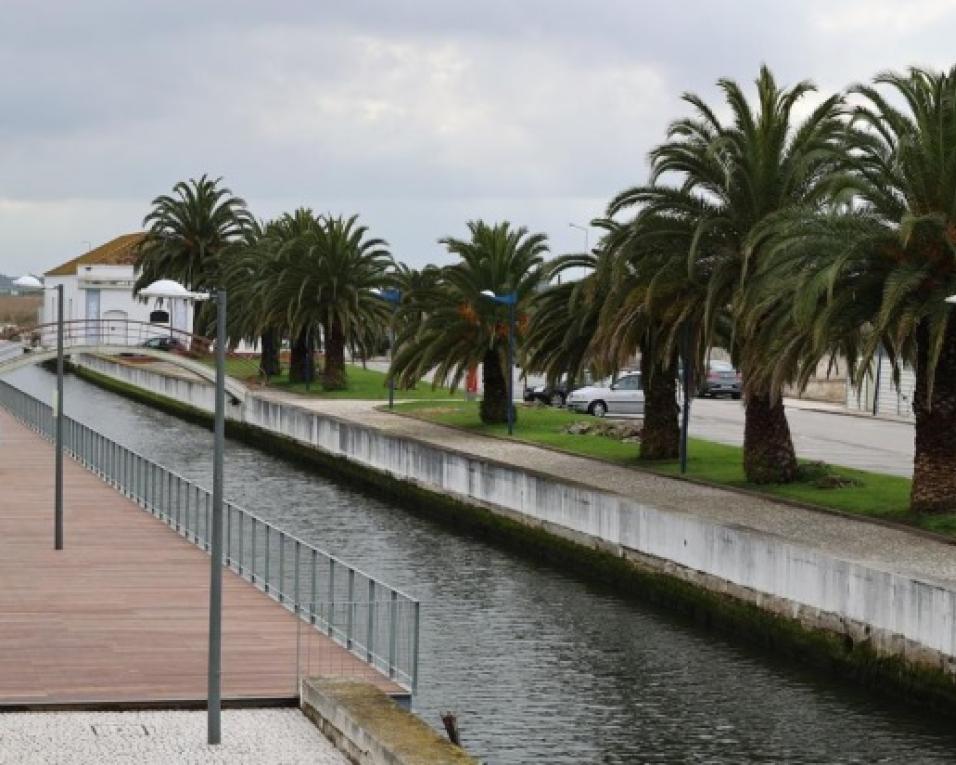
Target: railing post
(415,633)
(370,637)
(281,566)
(392,625)
(206,529)
(351,610)
(242,542)
(315,556)
(331,593)
(268,552)
(253,553)
(295,578)
(228,534)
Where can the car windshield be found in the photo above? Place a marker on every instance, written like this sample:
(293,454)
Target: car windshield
(721,366)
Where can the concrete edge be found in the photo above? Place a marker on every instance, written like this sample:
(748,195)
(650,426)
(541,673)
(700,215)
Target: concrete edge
(766,496)
(370,729)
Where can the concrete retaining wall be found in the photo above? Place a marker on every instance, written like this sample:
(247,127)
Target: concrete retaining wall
(898,615)
(370,729)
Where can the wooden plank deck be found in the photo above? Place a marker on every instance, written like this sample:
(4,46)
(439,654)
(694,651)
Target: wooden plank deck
(121,614)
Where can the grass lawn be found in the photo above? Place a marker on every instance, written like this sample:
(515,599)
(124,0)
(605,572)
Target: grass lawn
(362,383)
(872,494)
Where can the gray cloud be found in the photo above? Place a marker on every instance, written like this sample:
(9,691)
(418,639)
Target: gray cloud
(419,115)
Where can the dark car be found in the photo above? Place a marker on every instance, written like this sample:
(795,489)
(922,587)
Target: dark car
(721,380)
(168,344)
(553,395)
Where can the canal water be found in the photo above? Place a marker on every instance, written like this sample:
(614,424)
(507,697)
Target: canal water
(539,667)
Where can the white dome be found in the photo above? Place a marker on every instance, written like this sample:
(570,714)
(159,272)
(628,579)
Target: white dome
(165,288)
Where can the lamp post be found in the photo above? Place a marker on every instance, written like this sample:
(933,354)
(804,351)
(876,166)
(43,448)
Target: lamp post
(31,282)
(509,300)
(585,230)
(164,288)
(393,296)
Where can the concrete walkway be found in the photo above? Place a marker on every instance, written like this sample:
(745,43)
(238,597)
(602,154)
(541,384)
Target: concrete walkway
(888,549)
(249,737)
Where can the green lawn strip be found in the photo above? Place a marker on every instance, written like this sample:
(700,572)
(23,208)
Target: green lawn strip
(874,495)
(362,383)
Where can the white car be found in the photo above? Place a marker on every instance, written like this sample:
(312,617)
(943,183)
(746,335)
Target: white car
(626,396)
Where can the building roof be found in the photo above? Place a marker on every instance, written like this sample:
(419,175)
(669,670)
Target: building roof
(116,252)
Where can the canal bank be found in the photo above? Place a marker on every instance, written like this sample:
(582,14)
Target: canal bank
(870,602)
(539,663)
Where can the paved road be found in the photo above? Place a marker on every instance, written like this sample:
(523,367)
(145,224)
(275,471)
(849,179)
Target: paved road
(884,446)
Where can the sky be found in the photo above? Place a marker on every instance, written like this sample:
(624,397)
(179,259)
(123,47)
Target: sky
(418,115)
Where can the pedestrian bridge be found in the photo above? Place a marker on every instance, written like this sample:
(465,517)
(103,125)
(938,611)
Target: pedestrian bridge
(107,337)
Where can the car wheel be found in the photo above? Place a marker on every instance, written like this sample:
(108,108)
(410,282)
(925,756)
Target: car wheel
(735,396)
(557,399)
(598,409)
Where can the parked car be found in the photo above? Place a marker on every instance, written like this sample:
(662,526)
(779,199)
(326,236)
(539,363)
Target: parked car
(721,380)
(168,344)
(625,396)
(554,395)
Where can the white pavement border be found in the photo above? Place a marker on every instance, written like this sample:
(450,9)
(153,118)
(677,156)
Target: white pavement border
(254,736)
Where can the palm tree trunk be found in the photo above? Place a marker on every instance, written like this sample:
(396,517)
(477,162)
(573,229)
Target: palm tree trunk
(269,353)
(494,400)
(660,437)
(934,463)
(333,372)
(769,456)
(301,365)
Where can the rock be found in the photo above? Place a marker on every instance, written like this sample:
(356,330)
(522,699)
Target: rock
(578,428)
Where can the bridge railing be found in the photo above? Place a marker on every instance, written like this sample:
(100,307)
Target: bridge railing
(375,622)
(121,332)
(130,335)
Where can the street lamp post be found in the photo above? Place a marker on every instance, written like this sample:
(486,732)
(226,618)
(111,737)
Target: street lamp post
(394,297)
(509,300)
(169,289)
(31,282)
(587,248)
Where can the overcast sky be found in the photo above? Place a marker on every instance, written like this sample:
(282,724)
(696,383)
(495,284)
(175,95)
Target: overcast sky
(416,115)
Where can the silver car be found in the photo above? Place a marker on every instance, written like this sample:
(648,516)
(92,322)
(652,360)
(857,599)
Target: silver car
(625,396)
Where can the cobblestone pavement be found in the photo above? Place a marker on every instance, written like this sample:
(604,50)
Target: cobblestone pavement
(883,548)
(253,736)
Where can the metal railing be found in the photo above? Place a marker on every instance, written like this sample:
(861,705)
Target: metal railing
(375,622)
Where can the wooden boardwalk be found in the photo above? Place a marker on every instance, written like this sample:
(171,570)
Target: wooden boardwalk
(121,614)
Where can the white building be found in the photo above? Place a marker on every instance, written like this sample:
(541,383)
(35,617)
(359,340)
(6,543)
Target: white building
(98,285)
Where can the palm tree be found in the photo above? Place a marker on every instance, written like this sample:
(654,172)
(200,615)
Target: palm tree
(186,231)
(730,177)
(876,272)
(247,268)
(451,327)
(330,269)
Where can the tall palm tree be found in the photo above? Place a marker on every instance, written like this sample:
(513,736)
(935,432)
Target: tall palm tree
(247,268)
(729,177)
(451,327)
(186,231)
(876,272)
(329,272)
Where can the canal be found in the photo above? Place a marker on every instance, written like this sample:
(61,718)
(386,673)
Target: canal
(539,667)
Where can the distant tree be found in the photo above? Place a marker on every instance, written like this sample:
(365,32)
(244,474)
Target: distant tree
(185,233)
(329,271)
(450,327)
